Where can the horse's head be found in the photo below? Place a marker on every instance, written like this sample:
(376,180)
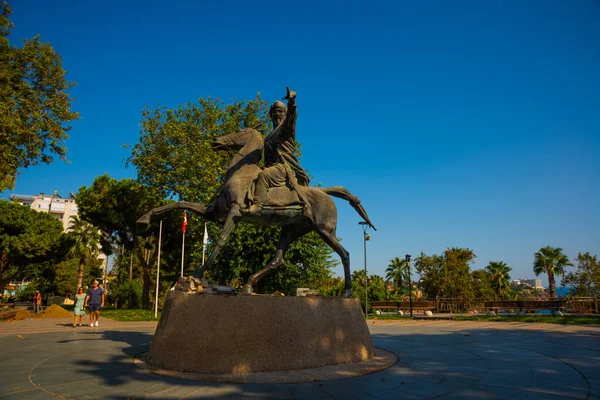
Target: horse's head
(237,140)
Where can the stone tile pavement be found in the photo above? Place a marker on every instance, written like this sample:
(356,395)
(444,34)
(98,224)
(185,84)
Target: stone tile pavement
(43,359)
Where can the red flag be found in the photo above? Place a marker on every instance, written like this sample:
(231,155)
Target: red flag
(184,226)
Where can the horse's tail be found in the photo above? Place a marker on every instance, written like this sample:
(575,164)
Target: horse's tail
(199,209)
(343,193)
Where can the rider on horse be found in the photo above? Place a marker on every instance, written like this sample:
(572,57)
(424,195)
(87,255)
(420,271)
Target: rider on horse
(281,163)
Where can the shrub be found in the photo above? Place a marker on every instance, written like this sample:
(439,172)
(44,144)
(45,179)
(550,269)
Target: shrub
(129,294)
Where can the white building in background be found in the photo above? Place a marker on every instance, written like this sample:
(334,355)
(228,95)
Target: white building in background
(59,207)
(534,283)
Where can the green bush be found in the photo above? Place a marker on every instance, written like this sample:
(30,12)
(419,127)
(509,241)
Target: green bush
(129,294)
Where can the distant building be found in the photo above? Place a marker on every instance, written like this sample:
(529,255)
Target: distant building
(59,207)
(533,283)
(11,289)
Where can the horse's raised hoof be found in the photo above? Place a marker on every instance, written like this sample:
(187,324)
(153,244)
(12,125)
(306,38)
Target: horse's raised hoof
(144,219)
(347,293)
(247,289)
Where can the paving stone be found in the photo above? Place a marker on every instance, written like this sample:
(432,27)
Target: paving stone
(446,359)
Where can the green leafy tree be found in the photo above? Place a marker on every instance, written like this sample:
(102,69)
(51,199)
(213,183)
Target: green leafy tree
(377,289)
(332,287)
(431,269)
(174,154)
(34,103)
(447,275)
(482,284)
(86,241)
(174,157)
(550,260)
(66,274)
(500,276)
(585,281)
(114,207)
(307,263)
(397,272)
(30,241)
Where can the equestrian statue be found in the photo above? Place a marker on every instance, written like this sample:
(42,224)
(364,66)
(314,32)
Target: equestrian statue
(277,194)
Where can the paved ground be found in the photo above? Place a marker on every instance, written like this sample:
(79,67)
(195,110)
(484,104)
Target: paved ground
(43,359)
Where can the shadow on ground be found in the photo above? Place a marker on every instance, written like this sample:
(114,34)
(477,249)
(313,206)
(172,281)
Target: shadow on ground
(448,362)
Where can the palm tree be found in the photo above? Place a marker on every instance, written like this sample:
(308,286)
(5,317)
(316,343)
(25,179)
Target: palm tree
(552,261)
(499,272)
(358,277)
(397,272)
(86,239)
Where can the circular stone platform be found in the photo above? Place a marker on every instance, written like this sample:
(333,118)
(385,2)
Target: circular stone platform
(240,335)
(382,360)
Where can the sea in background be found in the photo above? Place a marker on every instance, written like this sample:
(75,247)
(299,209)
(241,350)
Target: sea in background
(563,290)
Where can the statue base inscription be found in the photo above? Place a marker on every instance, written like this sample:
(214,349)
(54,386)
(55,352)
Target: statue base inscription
(240,335)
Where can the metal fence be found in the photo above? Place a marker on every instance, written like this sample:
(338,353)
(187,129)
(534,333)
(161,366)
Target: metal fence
(575,305)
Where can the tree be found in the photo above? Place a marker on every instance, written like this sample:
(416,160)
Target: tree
(175,158)
(500,276)
(66,274)
(447,275)
(377,289)
(358,277)
(114,207)
(34,103)
(86,240)
(586,280)
(397,272)
(481,281)
(174,154)
(29,242)
(307,263)
(551,261)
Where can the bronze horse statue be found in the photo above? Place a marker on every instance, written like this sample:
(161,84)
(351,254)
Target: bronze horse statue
(298,213)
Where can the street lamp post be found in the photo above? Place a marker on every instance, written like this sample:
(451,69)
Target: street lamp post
(407,258)
(366,237)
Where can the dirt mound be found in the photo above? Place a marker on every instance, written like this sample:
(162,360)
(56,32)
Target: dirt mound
(54,311)
(22,314)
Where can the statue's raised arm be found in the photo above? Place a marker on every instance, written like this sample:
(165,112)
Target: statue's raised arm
(291,95)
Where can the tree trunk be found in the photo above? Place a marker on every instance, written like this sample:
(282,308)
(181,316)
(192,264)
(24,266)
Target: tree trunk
(146,289)
(146,269)
(80,272)
(551,284)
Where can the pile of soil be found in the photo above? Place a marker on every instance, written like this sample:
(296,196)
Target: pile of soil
(22,314)
(54,311)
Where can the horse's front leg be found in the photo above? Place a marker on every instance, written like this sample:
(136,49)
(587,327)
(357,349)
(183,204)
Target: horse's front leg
(199,209)
(230,223)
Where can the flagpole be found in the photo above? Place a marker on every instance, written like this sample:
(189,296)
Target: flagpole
(204,240)
(158,271)
(182,253)
(183,229)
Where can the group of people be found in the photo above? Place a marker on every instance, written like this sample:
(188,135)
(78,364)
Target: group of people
(94,299)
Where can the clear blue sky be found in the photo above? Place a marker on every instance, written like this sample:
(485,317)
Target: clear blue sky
(471,124)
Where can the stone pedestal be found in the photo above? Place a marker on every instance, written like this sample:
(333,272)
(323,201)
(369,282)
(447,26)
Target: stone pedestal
(235,334)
